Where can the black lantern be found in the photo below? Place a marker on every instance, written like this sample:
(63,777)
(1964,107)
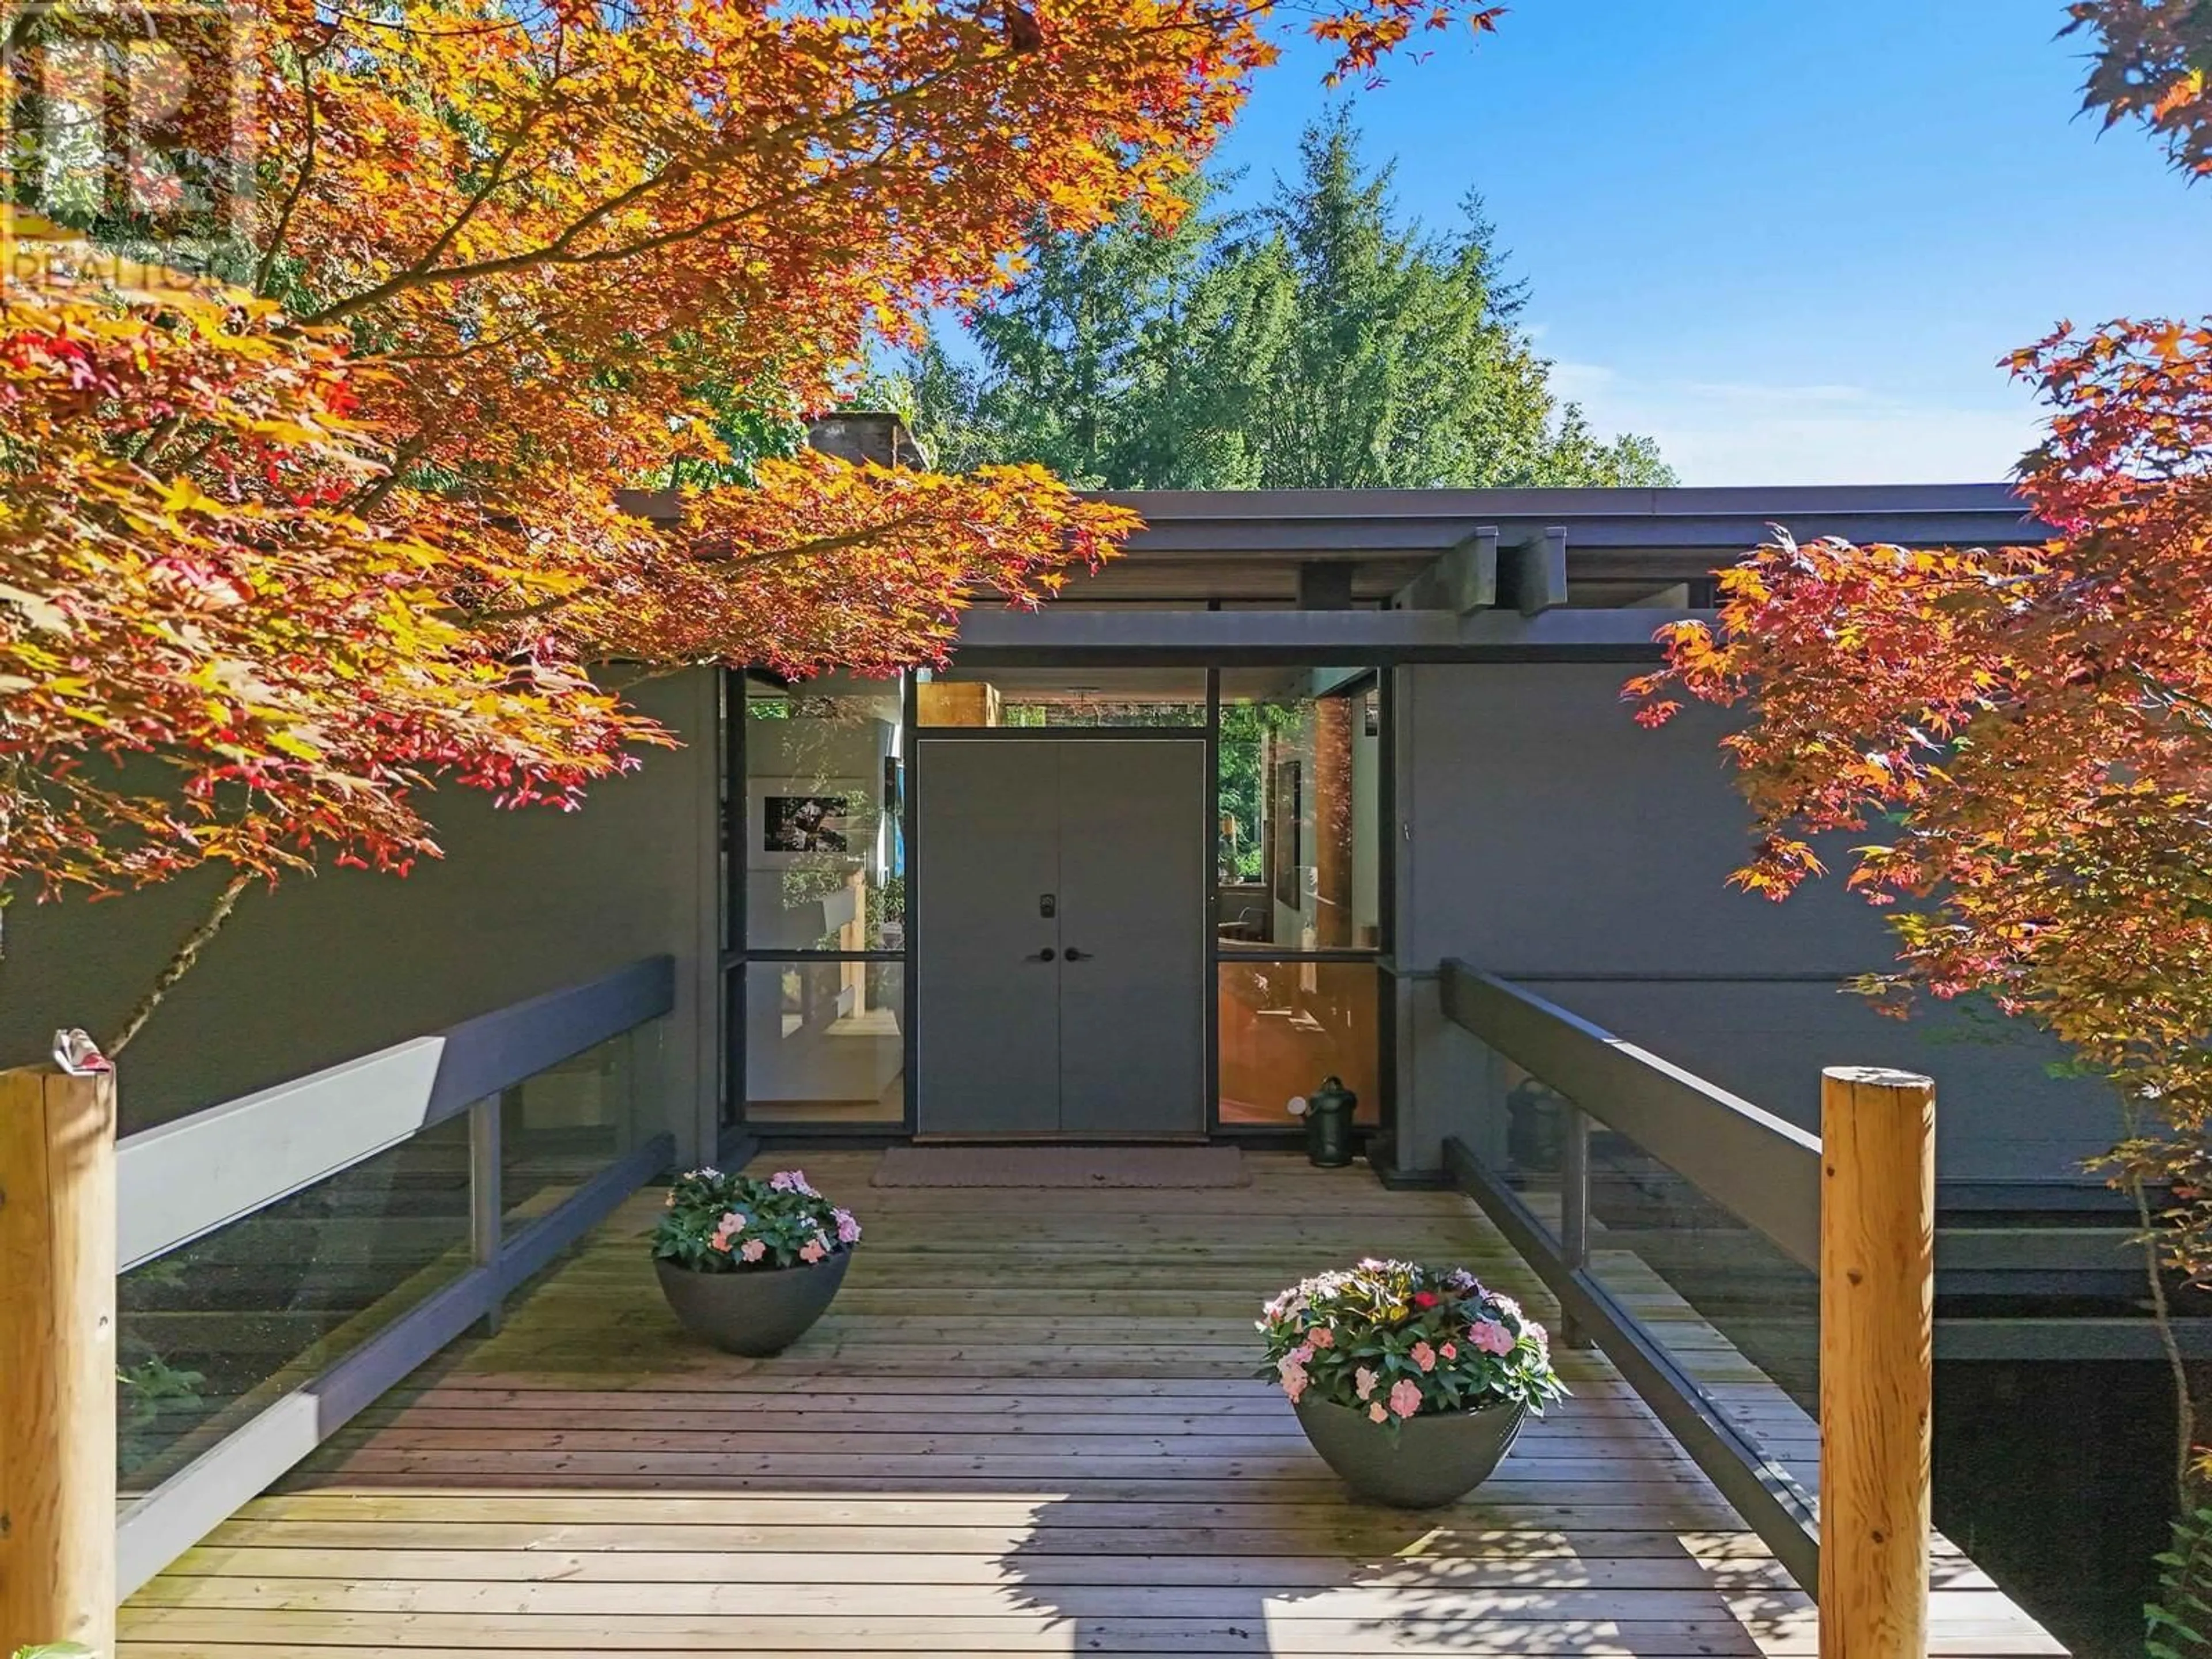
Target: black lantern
(1328,1124)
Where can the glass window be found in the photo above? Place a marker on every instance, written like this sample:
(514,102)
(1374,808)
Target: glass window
(215,1331)
(1287,1025)
(825,1042)
(1032,697)
(824,863)
(1301,772)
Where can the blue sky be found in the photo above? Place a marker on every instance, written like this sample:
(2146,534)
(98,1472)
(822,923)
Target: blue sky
(1788,241)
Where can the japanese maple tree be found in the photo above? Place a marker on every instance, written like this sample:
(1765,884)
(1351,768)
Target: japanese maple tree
(288,543)
(2020,737)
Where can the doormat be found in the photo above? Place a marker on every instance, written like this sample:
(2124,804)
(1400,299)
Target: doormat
(1061,1166)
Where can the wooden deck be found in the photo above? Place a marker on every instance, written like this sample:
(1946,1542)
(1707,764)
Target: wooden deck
(1029,1425)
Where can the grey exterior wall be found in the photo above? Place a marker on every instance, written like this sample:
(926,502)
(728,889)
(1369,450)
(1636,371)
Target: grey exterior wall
(1546,838)
(345,962)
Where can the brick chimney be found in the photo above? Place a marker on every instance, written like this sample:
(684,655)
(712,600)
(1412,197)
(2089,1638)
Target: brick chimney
(865,435)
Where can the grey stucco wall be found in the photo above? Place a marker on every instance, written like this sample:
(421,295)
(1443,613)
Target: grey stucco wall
(1546,838)
(345,962)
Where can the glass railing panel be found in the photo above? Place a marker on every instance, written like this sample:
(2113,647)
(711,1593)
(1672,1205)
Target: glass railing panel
(1526,1143)
(562,1127)
(214,1330)
(1741,1318)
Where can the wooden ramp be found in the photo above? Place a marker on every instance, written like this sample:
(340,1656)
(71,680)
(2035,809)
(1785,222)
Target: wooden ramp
(1029,1425)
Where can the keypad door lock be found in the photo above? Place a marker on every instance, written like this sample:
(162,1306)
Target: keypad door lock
(1047,906)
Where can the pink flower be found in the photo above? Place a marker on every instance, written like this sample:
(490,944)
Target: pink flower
(1302,1354)
(1294,1380)
(1450,1350)
(1490,1337)
(753,1250)
(1322,1337)
(1404,1396)
(669,1202)
(1376,1415)
(1365,1381)
(1425,1356)
(848,1230)
(811,1251)
(732,1222)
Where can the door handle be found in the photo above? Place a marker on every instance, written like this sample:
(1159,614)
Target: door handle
(1043,956)
(1074,955)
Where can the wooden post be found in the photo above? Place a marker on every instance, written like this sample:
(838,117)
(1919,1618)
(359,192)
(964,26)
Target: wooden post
(57,1359)
(1877,1337)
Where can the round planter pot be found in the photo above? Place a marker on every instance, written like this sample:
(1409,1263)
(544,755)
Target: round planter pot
(753,1312)
(1435,1460)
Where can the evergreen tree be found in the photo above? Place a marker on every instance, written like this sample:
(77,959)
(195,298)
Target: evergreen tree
(1318,342)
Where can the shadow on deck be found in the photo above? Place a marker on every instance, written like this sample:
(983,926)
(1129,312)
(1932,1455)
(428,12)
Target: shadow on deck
(1028,1425)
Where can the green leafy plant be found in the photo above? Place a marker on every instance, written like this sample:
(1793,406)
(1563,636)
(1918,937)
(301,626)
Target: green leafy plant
(55,1650)
(144,1393)
(1394,1340)
(2174,1625)
(720,1224)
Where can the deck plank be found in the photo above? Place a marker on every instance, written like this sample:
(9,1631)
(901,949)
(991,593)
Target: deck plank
(1030,1426)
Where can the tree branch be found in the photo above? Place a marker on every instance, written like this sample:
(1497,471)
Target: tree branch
(299,185)
(557,251)
(179,965)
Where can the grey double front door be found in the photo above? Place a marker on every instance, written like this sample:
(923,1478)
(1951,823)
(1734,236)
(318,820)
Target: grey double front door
(1060,955)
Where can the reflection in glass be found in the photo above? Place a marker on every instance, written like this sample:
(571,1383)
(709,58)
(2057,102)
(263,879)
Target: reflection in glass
(212,1332)
(1742,1318)
(1063,697)
(1533,1155)
(1298,792)
(824,865)
(1661,1244)
(561,1128)
(825,1042)
(1287,1025)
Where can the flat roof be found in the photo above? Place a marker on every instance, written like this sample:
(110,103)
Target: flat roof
(1248,544)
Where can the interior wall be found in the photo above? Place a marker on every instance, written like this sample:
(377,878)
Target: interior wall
(1553,842)
(1366,842)
(833,757)
(345,962)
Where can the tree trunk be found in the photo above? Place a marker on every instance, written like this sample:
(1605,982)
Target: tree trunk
(180,963)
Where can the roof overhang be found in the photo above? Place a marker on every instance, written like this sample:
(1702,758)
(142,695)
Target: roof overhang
(1249,544)
(1073,635)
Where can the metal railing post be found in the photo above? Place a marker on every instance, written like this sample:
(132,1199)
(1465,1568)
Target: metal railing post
(487,1212)
(1574,1209)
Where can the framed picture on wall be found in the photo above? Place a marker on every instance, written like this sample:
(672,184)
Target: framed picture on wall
(792,821)
(1285,858)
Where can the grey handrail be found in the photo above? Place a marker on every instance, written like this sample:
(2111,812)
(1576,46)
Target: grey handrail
(183,1180)
(1762,1170)
(180,1181)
